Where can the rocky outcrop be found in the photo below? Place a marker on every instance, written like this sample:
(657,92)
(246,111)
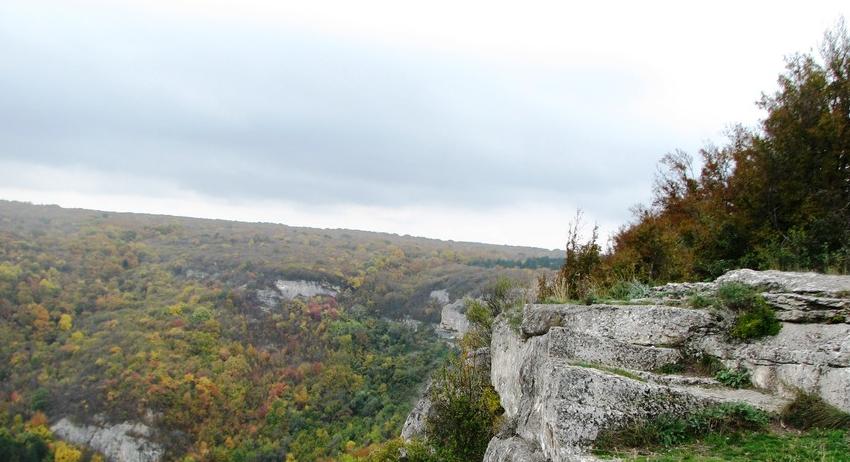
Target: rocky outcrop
(290,290)
(572,371)
(453,318)
(123,442)
(415,424)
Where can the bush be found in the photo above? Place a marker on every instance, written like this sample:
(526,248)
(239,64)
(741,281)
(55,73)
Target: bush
(754,318)
(465,412)
(736,296)
(738,378)
(669,430)
(414,451)
(758,321)
(809,411)
(700,301)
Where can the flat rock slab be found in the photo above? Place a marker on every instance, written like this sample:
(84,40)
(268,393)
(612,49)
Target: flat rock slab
(568,343)
(783,281)
(635,324)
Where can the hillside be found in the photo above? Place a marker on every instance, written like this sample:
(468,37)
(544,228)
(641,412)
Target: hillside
(187,327)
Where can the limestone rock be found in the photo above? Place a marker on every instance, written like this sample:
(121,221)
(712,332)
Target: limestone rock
(123,442)
(453,318)
(636,324)
(415,425)
(511,449)
(782,281)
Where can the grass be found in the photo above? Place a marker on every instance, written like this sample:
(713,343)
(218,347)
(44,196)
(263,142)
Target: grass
(703,365)
(668,430)
(611,370)
(809,411)
(737,432)
(817,446)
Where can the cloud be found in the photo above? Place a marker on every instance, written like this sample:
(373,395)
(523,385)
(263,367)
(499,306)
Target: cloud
(338,109)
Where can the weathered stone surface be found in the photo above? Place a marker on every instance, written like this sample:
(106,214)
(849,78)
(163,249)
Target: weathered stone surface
(809,308)
(511,449)
(681,290)
(453,318)
(636,324)
(415,425)
(568,343)
(783,281)
(509,354)
(123,442)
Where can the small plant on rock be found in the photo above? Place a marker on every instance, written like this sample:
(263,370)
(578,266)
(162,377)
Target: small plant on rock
(737,378)
(754,317)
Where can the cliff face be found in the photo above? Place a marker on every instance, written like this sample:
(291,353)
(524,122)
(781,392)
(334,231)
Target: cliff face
(571,371)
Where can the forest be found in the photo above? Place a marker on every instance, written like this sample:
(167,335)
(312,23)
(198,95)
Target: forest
(156,319)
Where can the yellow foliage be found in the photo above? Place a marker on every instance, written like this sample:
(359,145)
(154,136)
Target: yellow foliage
(65,322)
(77,336)
(63,452)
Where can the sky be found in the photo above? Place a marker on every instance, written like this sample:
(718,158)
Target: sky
(478,121)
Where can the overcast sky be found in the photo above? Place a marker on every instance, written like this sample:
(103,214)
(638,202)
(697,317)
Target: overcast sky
(466,120)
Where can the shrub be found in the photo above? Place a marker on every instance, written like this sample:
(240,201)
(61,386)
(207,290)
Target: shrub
(809,411)
(702,365)
(738,378)
(465,412)
(757,321)
(736,296)
(669,430)
(700,301)
(628,290)
(413,451)
(754,317)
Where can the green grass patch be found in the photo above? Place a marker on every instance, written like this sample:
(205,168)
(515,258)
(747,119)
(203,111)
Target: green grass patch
(703,365)
(701,301)
(668,430)
(809,411)
(818,445)
(611,370)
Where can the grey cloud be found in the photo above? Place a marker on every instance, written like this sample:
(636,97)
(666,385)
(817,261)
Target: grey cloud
(246,113)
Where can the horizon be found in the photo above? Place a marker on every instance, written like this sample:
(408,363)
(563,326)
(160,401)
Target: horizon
(478,122)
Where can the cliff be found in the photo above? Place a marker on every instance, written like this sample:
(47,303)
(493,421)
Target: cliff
(569,372)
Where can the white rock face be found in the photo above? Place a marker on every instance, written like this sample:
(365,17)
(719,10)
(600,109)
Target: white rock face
(440,296)
(416,422)
(124,442)
(292,289)
(453,318)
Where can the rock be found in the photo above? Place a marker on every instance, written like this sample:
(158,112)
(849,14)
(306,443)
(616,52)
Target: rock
(572,371)
(415,425)
(293,289)
(440,296)
(123,442)
(453,318)
(636,324)
(567,342)
(814,358)
(782,281)
(511,449)
(807,308)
